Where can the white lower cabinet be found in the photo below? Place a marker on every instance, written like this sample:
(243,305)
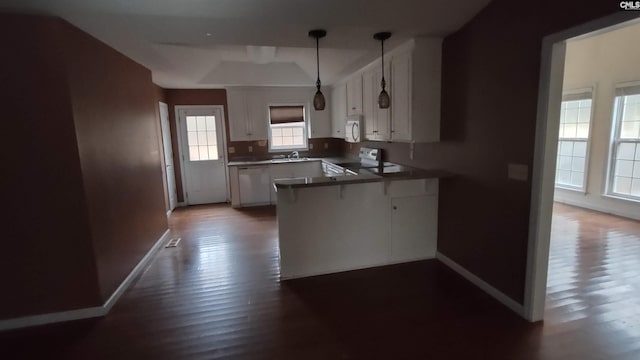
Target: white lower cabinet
(379,223)
(414,227)
(252,185)
(295,170)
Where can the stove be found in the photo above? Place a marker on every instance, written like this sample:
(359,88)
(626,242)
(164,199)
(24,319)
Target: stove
(369,158)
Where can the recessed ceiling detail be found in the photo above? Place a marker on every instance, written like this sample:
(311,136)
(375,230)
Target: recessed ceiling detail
(170,37)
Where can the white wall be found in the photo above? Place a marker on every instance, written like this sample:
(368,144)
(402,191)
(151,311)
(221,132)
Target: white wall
(601,62)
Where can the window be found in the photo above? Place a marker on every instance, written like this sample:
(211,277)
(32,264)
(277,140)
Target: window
(287,128)
(624,163)
(201,138)
(573,140)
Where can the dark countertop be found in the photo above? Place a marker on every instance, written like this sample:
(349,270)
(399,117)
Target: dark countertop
(334,160)
(389,172)
(364,176)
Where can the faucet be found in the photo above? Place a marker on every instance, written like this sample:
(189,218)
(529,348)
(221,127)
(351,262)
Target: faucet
(294,155)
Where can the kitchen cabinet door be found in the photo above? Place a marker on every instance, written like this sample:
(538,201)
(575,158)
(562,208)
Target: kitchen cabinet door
(254,185)
(237,113)
(279,171)
(414,227)
(354,95)
(257,115)
(383,118)
(369,104)
(401,97)
(308,169)
(338,110)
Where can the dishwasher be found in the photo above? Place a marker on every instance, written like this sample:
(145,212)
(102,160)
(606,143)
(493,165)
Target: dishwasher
(254,185)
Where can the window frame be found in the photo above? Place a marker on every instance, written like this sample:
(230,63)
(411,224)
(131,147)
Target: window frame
(305,128)
(615,139)
(574,95)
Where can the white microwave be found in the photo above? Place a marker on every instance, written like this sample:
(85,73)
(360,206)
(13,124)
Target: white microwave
(353,129)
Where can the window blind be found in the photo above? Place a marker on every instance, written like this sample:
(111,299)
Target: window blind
(286,114)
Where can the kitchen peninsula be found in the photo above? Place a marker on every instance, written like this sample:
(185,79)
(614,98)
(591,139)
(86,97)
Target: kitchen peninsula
(374,218)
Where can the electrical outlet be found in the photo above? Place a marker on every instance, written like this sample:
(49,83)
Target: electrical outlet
(250,148)
(232,150)
(310,146)
(326,146)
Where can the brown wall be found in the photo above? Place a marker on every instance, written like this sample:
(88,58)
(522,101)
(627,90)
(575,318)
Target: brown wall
(47,256)
(489,100)
(118,132)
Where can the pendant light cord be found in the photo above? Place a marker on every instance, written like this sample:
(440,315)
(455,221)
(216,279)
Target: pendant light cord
(318,61)
(383,82)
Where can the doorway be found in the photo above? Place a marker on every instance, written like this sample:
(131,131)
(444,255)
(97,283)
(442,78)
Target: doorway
(556,150)
(170,173)
(201,138)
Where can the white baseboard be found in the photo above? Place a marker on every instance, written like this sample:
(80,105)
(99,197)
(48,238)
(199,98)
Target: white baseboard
(90,312)
(495,293)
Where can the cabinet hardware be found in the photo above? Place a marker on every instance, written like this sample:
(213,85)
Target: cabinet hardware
(395,207)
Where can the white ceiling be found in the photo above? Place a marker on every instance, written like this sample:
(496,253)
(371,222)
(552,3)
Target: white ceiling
(214,43)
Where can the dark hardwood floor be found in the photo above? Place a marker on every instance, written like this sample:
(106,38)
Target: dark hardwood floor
(218,296)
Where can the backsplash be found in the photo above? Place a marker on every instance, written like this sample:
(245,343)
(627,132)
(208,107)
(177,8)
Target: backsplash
(243,150)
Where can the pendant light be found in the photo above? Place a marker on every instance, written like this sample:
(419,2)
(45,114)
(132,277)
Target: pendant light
(318,98)
(383,99)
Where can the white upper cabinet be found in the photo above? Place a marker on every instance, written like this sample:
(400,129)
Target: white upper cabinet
(354,95)
(415,99)
(338,110)
(248,115)
(257,115)
(401,98)
(413,82)
(238,115)
(376,120)
(249,111)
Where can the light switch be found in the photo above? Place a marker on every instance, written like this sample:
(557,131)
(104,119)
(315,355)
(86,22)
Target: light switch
(326,146)
(518,172)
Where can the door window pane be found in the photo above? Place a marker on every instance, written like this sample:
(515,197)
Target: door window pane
(202,138)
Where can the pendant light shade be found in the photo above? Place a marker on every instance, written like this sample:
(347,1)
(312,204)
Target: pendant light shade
(318,98)
(383,99)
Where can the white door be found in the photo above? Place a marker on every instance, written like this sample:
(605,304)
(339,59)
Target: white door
(168,155)
(201,132)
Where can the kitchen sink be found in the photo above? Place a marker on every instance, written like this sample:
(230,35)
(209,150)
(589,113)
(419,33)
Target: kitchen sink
(277,161)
